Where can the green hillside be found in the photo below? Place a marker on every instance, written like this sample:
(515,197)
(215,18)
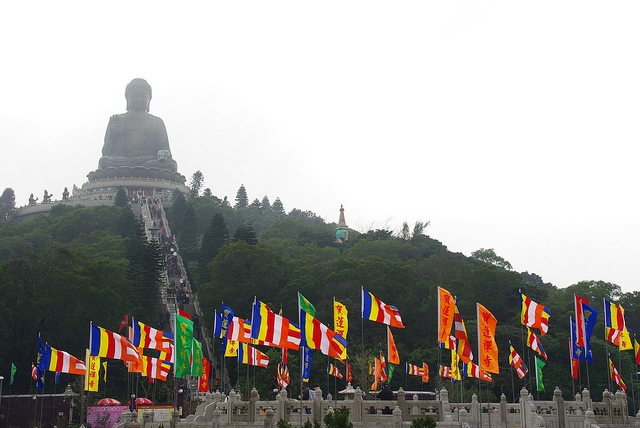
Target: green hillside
(79,264)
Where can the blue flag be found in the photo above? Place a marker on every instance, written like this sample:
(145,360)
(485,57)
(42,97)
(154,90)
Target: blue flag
(217,324)
(577,352)
(306,366)
(227,318)
(589,316)
(42,362)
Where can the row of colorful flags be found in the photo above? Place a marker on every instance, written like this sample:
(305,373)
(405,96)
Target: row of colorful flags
(267,328)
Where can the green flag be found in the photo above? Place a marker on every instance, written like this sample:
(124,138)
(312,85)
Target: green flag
(184,339)
(196,366)
(391,369)
(306,305)
(539,365)
(13,372)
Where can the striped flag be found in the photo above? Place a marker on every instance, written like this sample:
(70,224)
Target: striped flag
(250,355)
(107,344)
(534,315)
(271,328)
(333,371)
(376,310)
(615,376)
(464,350)
(534,343)
(516,362)
(155,368)
(473,370)
(150,338)
(62,362)
(636,350)
(444,371)
(318,336)
(414,370)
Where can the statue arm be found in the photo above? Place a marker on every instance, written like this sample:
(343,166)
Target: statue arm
(112,137)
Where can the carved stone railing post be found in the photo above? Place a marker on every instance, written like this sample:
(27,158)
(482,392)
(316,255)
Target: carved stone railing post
(445,407)
(269,418)
(503,411)
(524,398)
(252,405)
(586,397)
(356,415)
(402,404)
(317,405)
(281,405)
(606,399)
(397,417)
(557,398)
(621,397)
(475,415)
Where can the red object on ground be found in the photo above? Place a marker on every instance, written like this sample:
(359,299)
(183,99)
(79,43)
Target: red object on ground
(107,402)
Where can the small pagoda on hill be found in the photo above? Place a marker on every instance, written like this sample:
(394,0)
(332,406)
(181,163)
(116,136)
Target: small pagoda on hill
(342,232)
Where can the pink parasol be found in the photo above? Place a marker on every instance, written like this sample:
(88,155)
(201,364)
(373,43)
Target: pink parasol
(107,402)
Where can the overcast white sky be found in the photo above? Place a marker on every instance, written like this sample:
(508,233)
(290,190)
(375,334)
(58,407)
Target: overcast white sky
(507,125)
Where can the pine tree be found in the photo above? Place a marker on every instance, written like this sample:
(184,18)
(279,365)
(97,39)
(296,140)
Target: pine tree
(265,203)
(176,211)
(278,206)
(256,203)
(245,233)
(7,204)
(188,228)
(195,184)
(216,235)
(121,199)
(241,197)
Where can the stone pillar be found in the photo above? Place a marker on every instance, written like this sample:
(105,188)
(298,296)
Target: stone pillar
(397,418)
(606,399)
(557,398)
(586,397)
(216,417)
(589,419)
(269,418)
(415,410)
(252,405)
(281,405)
(503,411)
(621,397)
(317,406)
(463,417)
(474,417)
(402,404)
(445,407)
(126,417)
(356,415)
(524,408)
(230,401)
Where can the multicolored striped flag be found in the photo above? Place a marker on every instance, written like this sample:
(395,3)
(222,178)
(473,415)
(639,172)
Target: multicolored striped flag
(473,370)
(316,335)
(464,350)
(517,362)
(333,371)
(250,355)
(534,315)
(283,374)
(615,327)
(272,329)
(636,350)
(148,337)
(414,370)
(374,309)
(62,362)
(615,376)
(534,343)
(107,344)
(155,368)
(384,370)
(444,371)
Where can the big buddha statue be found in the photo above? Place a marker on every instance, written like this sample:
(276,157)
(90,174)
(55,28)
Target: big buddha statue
(136,139)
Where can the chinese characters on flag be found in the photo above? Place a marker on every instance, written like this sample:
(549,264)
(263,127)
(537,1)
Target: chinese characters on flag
(93,370)
(341,323)
(487,347)
(446,309)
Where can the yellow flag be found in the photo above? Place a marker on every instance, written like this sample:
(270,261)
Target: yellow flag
(104,364)
(232,348)
(455,361)
(341,323)
(92,378)
(487,347)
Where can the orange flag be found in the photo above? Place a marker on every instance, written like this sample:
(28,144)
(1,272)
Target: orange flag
(377,370)
(425,376)
(394,358)
(446,309)
(488,350)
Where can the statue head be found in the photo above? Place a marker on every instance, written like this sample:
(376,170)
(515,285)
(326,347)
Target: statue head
(137,85)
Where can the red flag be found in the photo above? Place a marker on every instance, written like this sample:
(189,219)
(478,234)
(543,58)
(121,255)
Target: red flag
(579,322)
(348,370)
(204,379)
(394,358)
(184,314)
(124,323)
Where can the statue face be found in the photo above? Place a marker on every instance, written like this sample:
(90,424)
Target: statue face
(138,99)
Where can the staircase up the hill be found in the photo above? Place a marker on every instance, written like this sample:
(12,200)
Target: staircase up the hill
(175,288)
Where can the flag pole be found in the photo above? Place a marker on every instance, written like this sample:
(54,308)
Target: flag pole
(362,337)
(301,349)
(606,342)
(479,361)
